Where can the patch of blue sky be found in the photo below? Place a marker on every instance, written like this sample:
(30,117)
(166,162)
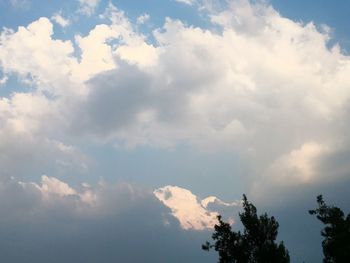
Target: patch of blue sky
(184,166)
(13,16)
(160,9)
(13,84)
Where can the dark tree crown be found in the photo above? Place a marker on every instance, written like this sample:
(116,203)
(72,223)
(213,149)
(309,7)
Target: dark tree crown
(255,244)
(336,233)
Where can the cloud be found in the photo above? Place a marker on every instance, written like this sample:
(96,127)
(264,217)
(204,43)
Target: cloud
(60,20)
(259,85)
(3,80)
(39,60)
(310,168)
(301,163)
(51,185)
(204,91)
(187,2)
(191,212)
(25,148)
(88,7)
(254,85)
(213,200)
(57,217)
(22,4)
(142,19)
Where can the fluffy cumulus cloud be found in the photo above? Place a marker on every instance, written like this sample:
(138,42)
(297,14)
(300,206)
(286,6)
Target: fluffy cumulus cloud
(229,90)
(38,59)
(263,86)
(260,85)
(191,212)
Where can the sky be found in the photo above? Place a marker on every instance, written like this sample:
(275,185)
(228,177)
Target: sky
(126,127)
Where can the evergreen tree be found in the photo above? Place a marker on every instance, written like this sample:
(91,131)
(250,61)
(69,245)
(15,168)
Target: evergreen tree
(257,243)
(336,233)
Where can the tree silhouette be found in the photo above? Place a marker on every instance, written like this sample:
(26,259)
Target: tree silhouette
(336,233)
(255,244)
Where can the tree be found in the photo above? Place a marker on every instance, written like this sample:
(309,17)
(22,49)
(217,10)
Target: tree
(255,244)
(336,233)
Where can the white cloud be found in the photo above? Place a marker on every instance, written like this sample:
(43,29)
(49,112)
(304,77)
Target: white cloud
(38,59)
(3,80)
(206,202)
(26,148)
(298,166)
(191,212)
(99,55)
(25,112)
(261,86)
(20,3)
(88,7)
(59,19)
(96,54)
(51,185)
(231,90)
(142,19)
(187,2)
(49,67)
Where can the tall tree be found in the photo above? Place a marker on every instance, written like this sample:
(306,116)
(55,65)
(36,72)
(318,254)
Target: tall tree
(336,233)
(256,244)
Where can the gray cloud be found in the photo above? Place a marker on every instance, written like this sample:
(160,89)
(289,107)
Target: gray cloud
(125,225)
(115,99)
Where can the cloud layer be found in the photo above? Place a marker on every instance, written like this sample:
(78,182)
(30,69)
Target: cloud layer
(257,84)
(102,223)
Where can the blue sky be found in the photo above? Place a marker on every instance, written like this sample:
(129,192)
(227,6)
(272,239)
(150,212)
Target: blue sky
(111,110)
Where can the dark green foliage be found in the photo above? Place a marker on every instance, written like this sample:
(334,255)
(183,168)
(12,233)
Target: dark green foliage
(336,233)
(255,244)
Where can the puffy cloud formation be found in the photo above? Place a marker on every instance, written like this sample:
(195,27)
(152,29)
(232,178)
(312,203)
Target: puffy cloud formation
(258,84)
(186,208)
(191,212)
